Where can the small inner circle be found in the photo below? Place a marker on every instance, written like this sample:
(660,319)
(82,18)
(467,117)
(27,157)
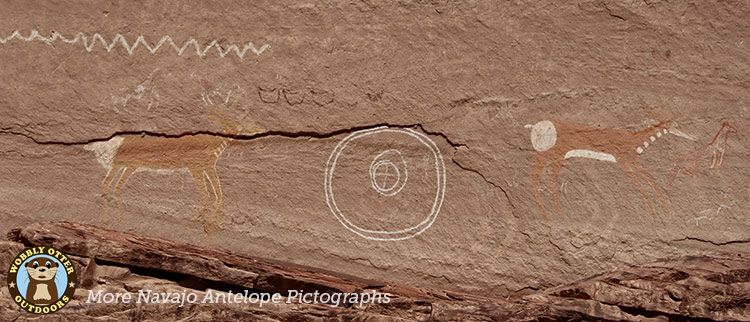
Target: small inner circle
(385,176)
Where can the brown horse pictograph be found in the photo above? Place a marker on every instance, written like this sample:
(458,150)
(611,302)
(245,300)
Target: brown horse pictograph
(558,141)
(198,153)
(716,148)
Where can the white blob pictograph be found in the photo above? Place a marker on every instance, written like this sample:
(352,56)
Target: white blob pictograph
(543,135)
(402,184)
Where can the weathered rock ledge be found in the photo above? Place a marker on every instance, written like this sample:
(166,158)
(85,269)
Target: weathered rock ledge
(703,287)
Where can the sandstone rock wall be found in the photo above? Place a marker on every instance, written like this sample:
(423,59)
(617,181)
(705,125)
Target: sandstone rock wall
(311,130)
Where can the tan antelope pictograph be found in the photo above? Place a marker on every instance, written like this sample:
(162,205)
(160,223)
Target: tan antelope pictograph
(716,148)
(122,155)
(557,141)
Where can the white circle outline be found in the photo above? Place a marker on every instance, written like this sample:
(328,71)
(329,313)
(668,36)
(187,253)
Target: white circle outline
(400,184)
(373,180)
(384,235)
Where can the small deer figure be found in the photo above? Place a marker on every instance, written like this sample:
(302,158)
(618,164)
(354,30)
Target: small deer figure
(716,148)
(558,141)
(198,153)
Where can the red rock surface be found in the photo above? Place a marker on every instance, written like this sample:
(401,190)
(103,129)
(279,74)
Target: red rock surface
(501,148)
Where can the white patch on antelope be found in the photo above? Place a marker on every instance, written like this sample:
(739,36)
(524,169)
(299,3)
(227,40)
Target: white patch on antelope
(580,153)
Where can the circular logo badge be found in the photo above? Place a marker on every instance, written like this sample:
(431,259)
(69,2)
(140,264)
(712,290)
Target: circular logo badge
(41,280)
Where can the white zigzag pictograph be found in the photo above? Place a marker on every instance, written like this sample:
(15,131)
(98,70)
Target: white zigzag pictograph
(89,43)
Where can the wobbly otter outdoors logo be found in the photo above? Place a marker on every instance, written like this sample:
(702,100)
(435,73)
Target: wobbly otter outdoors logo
(41,280)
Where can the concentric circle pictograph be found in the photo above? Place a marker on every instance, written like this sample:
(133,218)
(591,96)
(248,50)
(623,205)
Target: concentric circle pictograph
(385,183)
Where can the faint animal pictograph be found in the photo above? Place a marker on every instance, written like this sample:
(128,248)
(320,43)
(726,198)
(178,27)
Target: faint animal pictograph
(272,95)
(122,155)
(146,91)
(716,148)
(712,212)
(558,141)
(89,43)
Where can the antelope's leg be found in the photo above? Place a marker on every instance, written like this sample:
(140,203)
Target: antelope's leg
(721,158)
(200,184)
(714,159)
(637,183)
(660,194)
(536,172)
(121,182)
(553,186)
(106,185)
(213,179)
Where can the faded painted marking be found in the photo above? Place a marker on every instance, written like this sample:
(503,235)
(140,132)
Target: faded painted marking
(681,134)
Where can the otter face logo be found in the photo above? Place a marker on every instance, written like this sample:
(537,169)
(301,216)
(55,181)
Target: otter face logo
(41,280)
(42,269)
